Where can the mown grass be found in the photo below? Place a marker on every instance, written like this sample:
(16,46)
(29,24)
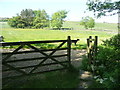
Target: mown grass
(29,35)
(107,26)
(111,27)
(15,35)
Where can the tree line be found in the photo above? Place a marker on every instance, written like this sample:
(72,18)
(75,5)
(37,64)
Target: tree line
(4,19)
(29,18)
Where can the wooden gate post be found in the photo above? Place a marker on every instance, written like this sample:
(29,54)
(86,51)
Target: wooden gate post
(95,49)
(95,44)
(92,51)
(89,48)
(69,50)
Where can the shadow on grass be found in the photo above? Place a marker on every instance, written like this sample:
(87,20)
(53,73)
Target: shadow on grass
(57,79)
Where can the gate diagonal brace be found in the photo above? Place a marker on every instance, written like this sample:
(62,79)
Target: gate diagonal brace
(47,56)
(13,52)
(7,57)
(13,68)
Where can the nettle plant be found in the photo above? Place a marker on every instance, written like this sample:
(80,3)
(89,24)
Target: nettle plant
(107,67)
(113,42)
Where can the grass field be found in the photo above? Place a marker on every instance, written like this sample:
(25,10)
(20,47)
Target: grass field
(102,30)
(111,27)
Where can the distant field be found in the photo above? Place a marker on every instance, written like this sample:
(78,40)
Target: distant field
(12,35)
(111,27)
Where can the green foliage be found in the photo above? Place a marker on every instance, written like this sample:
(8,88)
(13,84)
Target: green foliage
(88,22)
(113,42)
(30,19)
(107,64)
(27,15)
(17,22)
(57,18)
(85,64)
(91,23)
(56,23)
(104,7)
(41,20)
(4,19)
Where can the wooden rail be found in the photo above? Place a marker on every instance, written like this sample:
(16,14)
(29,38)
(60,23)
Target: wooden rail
(22,64)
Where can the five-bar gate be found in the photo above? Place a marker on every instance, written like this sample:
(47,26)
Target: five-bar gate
(21,62)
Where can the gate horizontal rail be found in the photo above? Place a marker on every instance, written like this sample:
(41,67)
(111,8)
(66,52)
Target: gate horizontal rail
(32,51)
(34,42)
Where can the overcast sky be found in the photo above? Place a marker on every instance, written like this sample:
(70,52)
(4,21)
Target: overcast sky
(76,8)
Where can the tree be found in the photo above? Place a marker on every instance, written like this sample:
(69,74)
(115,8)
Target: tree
(91,23)
(28,16)
(13,22)
(103,8)
(58,18)
(41,19)
(30,19)
(106,7)
(4,19)
(88,22)
(17,22)
(27,13)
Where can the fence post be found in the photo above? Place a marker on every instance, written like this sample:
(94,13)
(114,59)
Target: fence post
(92,51)
(95,43)
(95,49)
(90,48)
(69,49)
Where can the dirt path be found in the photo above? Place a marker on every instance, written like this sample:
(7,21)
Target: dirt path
(76,57)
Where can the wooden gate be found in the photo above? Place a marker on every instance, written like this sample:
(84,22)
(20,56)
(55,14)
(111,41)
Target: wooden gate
(20,62)
(92,49)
